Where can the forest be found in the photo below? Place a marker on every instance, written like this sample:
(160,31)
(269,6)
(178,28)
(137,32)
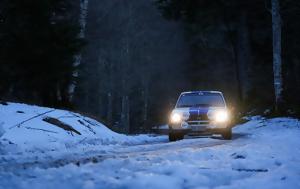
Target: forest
(125,62)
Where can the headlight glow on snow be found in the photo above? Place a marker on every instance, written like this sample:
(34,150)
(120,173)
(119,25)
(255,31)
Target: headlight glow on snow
(221,116)
(175,118)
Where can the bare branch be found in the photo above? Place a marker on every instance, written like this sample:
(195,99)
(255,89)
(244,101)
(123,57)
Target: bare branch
(19,124)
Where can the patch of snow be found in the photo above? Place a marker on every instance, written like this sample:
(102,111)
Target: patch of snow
(264,153)
(1,129)
(20,126)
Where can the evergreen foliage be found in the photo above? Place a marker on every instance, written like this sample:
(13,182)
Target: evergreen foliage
(141,54)
(216,30)
(38,42)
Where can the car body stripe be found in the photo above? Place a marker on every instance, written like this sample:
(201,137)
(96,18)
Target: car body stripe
(198,110)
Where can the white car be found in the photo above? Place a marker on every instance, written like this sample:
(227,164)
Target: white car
(200,112)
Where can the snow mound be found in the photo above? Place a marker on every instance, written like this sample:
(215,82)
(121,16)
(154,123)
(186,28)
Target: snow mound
(264,154)
(32,128)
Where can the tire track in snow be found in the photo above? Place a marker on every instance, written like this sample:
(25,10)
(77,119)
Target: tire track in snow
(119,153)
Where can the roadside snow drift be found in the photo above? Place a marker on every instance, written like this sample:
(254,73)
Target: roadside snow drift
(264,154)
(33,128)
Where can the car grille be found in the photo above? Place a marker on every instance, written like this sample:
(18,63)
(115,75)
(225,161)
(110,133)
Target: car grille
(196,117)
(197,123)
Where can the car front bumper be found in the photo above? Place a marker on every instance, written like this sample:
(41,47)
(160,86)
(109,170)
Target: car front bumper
(198,127)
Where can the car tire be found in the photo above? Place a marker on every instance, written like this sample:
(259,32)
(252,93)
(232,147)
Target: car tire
(172,137)
(227,134)
(180,136)
(175,136)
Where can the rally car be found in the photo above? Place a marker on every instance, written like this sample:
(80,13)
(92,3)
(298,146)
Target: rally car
(200,112)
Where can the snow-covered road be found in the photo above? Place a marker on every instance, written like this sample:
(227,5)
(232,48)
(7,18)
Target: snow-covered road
(95,156)
(264,153)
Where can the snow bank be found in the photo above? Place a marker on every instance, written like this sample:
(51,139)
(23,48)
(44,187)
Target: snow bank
(264,153)
(1,129)
(24,126)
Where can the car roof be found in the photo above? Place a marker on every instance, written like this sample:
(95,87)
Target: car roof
(194,92)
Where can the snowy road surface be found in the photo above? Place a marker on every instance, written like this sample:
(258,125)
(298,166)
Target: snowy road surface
(265,153)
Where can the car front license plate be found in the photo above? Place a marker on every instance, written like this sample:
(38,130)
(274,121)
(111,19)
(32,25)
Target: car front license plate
(198,128)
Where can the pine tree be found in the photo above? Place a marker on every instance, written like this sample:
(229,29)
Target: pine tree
(39,40)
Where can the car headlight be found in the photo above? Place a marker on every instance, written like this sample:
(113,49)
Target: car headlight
(175,118)
(221,116)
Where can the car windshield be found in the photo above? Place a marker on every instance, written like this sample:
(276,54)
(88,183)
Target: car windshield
(200,99)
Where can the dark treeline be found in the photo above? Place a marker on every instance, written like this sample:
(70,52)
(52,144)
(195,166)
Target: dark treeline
(132,66)
(138,55)
(233,39)
(38,42)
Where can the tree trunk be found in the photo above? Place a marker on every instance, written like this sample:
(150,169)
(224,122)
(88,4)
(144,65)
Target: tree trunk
(145,101)
(277,65)
(109,108)
(109,117)
(125,113)
(243,50)
(233,46)
(82,23)
(237,74)
(125,116)
(296,68)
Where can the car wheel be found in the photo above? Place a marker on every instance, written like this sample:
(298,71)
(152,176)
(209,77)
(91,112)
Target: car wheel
(175,136)
(172,137)
(180,136)
(227,134)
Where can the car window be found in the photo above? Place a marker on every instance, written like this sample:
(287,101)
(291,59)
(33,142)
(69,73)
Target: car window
(200,100)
